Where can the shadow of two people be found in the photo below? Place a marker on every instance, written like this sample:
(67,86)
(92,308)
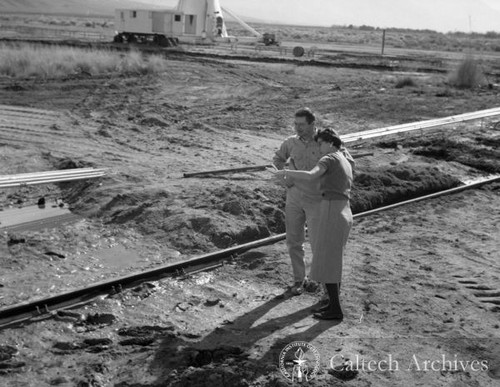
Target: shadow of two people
(232,344)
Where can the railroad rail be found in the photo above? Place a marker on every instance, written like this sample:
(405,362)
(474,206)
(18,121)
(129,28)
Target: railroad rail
(42,308)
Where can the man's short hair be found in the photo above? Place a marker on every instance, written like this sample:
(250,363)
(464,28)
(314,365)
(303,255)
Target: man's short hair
(307,113)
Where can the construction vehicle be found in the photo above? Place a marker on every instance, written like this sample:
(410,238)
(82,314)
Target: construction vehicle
(269,39)
(192,21)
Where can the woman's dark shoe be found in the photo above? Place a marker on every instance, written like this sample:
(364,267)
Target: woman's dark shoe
(333,311)
(320,309)
(320,306)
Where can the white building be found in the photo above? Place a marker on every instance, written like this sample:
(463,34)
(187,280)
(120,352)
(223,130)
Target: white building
(191,19)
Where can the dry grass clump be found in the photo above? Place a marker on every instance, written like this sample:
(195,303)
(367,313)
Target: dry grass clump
(468,74)
(405,82)
(28,60)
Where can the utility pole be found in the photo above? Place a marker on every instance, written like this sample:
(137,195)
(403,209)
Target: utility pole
(383,42)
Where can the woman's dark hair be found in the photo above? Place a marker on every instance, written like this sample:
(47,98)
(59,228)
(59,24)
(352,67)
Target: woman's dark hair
(330,136)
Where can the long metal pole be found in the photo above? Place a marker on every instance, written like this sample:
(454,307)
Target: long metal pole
(254,168)
(242,23)
(395,129)
(221,171)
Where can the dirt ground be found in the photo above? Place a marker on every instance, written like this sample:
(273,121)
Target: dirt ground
(420,288)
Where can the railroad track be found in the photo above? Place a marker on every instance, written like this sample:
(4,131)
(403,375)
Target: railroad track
(45,307)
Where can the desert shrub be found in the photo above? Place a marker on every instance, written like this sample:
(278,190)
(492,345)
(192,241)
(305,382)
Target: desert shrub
(492,34)
(156,64)
(132,63)
(405,82)
(84,67)
(468,74)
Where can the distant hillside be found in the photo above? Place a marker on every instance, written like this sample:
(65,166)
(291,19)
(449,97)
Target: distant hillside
(439,15)
(77,7)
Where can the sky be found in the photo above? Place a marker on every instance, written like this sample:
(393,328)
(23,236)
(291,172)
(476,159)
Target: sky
(438,15)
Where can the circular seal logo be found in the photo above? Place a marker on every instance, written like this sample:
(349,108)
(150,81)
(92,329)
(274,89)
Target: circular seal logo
(299,361)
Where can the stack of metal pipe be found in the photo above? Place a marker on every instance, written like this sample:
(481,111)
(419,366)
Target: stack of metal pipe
(57,176)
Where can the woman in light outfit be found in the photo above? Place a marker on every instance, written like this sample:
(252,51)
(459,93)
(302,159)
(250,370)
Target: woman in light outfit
(335,220)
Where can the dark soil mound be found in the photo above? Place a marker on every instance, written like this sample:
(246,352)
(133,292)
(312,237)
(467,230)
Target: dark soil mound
(482,153)
(396,184)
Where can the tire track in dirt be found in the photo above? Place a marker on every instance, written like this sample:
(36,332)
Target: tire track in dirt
(16,110)
(42,129)
(440,271)
(482,288)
